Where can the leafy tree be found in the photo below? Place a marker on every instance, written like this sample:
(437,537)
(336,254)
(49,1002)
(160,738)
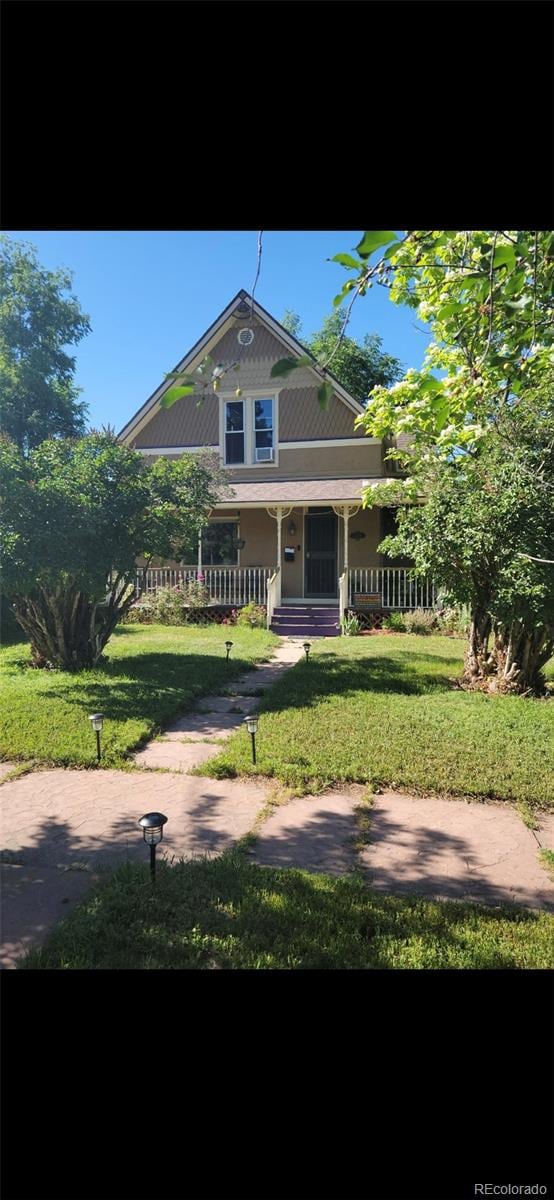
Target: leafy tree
(488,297)
(486,535)
(359,366)
(75,516)
(38,398)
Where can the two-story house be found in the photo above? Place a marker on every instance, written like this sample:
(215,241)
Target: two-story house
(292,532)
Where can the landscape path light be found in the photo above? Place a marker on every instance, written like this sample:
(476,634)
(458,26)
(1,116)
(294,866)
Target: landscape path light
(252,727)
(307,648)
(228,649)
(152,825)
(97,721)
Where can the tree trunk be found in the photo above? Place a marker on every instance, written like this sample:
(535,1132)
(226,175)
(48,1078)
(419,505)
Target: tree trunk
(477,663)
(67,628)
(520,655)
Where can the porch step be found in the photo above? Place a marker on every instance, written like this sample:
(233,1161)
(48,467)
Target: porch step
(305,621)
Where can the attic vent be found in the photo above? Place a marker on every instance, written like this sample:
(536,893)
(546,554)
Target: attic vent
(245,337)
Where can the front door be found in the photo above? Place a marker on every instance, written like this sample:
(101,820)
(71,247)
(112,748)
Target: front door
(320,541)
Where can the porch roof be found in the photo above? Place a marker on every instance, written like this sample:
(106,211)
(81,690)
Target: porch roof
(297,491)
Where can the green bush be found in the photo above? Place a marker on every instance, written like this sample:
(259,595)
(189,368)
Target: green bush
(420,620)
(395,621)
(454,620)
(253,615)
(350,624)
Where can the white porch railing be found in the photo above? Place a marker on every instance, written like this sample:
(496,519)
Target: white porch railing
(225,585)
(273,595)
(397,587)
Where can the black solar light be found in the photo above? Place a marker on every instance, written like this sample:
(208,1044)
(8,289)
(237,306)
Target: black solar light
(252,727)
(152,825)
(228,649)
(252,622)
(97,720)
(307,648)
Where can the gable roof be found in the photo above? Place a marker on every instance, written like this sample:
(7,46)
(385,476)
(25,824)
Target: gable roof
(212,335)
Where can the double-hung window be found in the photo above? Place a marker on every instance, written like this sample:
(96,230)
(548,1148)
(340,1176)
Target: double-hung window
(249,430)
(263,430)
(234,431)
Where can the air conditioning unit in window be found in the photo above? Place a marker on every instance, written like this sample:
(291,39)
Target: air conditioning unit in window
(264,454)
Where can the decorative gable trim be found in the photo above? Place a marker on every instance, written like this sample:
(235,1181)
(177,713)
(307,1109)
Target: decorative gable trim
(203,346)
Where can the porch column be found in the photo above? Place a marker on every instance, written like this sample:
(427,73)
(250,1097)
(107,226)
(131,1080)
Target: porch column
(346,511)
(278,512)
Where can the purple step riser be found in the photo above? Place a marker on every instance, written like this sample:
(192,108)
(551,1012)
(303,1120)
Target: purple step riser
(294,631)
(300,625)
(304,610)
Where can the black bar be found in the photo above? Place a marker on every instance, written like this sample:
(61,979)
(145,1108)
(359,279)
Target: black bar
(153,865)
(98,744)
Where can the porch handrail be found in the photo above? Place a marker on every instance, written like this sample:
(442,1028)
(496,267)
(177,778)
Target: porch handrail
(225,585)
(343,596)
(397,587)
(272,595)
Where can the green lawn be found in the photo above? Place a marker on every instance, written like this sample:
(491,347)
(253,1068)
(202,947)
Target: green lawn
(384,710)
(153,673)
(226,913)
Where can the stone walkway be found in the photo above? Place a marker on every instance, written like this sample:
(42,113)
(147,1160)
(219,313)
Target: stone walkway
(196,736)
(61,827)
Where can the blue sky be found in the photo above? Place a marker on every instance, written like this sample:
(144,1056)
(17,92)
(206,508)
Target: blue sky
(150,295)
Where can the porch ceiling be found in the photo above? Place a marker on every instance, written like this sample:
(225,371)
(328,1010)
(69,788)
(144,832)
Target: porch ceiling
(297,491)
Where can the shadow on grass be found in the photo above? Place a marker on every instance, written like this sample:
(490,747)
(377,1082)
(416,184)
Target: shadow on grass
(154,685)
(229,913)
(328,674)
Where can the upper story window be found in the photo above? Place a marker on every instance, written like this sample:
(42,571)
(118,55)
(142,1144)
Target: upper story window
(234,431)
(263,430)
(250,430)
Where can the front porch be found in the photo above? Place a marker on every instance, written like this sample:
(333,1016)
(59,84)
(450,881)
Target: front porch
(283,556)
(362,589)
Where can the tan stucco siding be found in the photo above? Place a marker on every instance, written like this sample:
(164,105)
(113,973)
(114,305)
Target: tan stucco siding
(321,462)
(192,421)
(259,531)
(302,419)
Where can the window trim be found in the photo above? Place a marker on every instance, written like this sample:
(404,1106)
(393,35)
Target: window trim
(243,431)
(248,397)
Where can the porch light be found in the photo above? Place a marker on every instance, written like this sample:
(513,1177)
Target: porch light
(307,647)
(252,727)
(292,529)
(97,720)
(228,649)
(152,825)
(238,543)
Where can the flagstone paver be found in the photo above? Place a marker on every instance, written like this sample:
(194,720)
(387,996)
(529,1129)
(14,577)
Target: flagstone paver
(316,833)
(60,827)
(215,717)
(455,849)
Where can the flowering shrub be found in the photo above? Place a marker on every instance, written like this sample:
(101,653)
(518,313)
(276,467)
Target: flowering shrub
(253,615)
(141,612)
(195,594)
(420,620)
(230,618)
